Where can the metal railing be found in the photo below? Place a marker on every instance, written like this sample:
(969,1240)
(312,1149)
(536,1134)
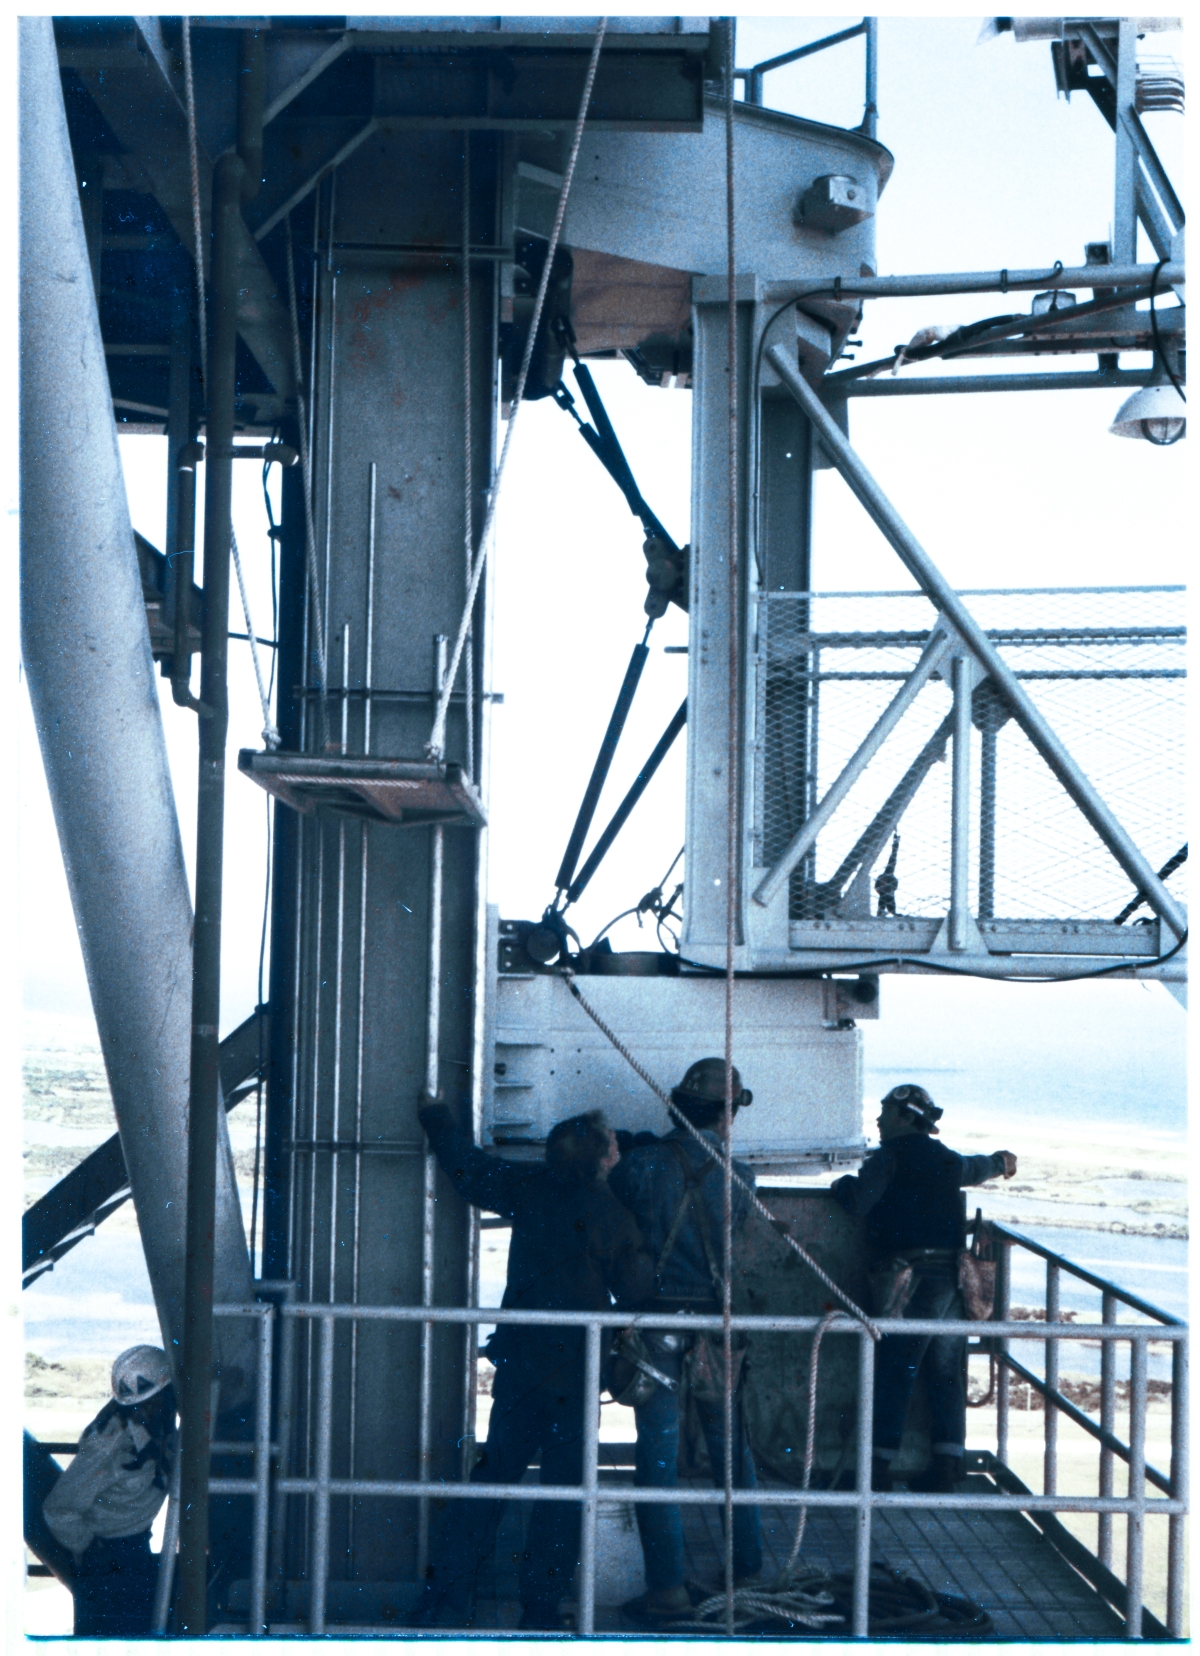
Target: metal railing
(1174,1482)
(323,1487)
(753,77)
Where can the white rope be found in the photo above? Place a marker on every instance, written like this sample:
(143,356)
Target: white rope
(435,747)
(810,1441)
(856,1311)
(310,532)
(269,732)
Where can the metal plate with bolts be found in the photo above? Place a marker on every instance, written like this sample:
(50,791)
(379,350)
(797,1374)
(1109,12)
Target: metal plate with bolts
(412,793)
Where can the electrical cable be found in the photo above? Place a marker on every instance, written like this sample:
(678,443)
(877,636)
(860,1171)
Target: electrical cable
(435,746)
(1158,344)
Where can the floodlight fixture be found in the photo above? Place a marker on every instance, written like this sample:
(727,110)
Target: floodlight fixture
(1155,413)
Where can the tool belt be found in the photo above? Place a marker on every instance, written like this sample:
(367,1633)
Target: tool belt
(636,1366)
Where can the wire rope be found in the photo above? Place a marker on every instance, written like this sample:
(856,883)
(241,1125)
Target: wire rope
(436,745)
(468,462)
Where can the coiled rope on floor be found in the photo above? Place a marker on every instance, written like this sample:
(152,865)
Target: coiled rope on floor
(436,745)
(759,1207)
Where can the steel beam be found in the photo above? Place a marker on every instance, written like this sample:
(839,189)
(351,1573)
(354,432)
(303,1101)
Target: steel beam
(91,678)
(932,658)
(917,561)
(135,94)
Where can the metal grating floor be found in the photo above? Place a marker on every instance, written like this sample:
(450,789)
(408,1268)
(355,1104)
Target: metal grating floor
(999,1561)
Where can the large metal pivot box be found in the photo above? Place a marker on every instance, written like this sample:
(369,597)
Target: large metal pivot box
(803,1066)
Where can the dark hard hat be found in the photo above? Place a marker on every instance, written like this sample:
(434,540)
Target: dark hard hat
(915,1101)
(705,1082)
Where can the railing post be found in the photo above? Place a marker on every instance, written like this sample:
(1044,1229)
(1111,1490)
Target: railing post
(262,1472)
(1003,1295)
(1050,1458)
(1135,1538)
(870,120)
(591,1455)
(962,673)
(1176,1559)
(319,1568)
(1108,1419)
(862,1538)
(285,1402)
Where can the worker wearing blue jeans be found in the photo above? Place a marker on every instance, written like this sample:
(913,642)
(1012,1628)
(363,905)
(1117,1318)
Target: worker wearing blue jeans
(657,1467)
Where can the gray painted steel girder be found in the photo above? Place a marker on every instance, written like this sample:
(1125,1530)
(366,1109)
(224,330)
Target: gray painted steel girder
(91,681)
(931,580)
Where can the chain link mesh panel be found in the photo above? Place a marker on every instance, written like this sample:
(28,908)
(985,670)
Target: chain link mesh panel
(1106,667)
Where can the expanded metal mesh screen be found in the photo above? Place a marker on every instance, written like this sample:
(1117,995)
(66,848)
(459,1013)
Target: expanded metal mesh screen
(1106,667)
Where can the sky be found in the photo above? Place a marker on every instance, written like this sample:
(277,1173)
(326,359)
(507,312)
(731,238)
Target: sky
(992,170)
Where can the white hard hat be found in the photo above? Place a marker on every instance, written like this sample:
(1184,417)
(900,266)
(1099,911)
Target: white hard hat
(139,1373)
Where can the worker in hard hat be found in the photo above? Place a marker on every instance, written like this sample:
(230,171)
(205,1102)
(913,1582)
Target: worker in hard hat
(103,1505)
(574,1248)
(908,1192)
(675,1188)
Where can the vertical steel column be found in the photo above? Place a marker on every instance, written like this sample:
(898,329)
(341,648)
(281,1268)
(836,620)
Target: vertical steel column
(1050,1455)
(1003,1295)
(862,1534)
(1176,1523)
(870,120)
(429,1168)
(591,1451)
(962,673)
(318,1570)
(1125,218)
(262,1472)
(204,1097)
(1135,1538)
(1108,1419)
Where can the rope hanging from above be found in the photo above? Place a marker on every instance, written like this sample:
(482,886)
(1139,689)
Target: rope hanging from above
(435,747)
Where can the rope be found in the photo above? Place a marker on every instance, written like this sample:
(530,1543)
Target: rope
(856,1311)
(435,747)
(810,1441)
(269,732)
(731,834)
(310,532)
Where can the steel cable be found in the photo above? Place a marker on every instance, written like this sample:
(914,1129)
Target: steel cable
(468,474)
(436,745)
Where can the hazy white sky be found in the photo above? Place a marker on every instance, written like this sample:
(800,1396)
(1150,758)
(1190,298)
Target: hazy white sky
(991,171)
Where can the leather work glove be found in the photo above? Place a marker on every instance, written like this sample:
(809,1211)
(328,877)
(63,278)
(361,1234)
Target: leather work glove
(1009,1160)
(666,576)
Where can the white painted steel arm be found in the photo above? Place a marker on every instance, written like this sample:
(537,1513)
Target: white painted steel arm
(931,580)
(933,656)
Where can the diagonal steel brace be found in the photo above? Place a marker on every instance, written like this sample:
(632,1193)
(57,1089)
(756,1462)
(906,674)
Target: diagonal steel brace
(934,584)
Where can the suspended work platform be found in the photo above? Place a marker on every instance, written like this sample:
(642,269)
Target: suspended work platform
(411,793)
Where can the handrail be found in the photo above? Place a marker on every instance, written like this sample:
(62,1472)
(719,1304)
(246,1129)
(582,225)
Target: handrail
(1081,1418)
(1132,1300)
